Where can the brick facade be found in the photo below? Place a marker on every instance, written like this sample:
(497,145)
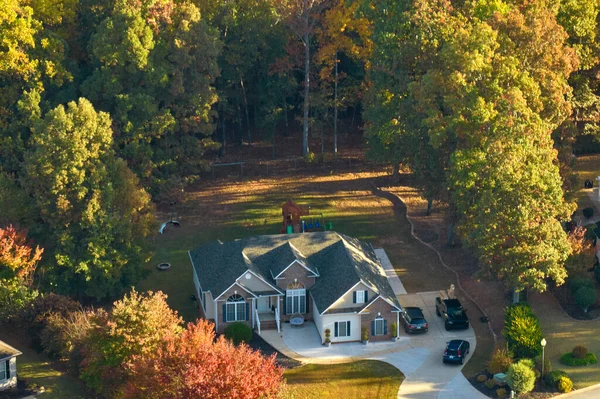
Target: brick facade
(223,299)
(299,273)
(371,313)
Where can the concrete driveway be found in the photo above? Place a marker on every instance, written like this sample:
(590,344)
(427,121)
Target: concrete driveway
(418,356)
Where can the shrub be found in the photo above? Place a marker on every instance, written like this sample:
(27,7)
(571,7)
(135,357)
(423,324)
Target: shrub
(552,377)
(522,331)
(520,377)
(501,392)
(310,157)
(364,334)
(564,384)
(327,335)
(572,361)
(597,273)
(394,330)
(490,383)
(579,351)
(576,282)
(585,297)
(500,361)
(482,378)
(238,332)
(588,212)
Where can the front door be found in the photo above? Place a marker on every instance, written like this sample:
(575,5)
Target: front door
(262,305)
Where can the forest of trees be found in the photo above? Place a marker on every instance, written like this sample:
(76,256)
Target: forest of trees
(109,107)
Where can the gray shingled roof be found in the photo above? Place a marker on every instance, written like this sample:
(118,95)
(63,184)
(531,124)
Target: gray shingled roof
(7,351)
(341,262)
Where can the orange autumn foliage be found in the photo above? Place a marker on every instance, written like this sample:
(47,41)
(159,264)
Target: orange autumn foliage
(17,254)
(195,365)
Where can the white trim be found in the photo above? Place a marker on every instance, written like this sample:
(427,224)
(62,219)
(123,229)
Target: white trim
(380,297)
(217,316)
(333,303)
(301,264)
(239,285)
(13,355)
(260,278)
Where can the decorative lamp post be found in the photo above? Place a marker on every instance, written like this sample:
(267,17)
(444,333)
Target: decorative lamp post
(543,361)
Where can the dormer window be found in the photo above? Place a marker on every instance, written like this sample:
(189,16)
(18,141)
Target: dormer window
(361,296)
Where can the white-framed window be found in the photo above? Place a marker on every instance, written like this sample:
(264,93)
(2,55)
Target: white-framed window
(235,308)
(295,299)
(361,296)
(342,329)
(379,326)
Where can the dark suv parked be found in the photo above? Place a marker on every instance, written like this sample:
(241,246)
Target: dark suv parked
(413,320)
(454,315)
(456,351)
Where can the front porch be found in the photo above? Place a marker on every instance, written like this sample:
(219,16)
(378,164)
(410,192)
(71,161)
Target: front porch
(266,314)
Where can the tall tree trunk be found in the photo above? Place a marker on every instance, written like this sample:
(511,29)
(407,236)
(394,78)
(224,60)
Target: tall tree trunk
(450,241)
(429,204)
(335,107)
(246,110)
(273,130)
(222,133)
(306,91)
(396,173)
(285,116)
(239,119)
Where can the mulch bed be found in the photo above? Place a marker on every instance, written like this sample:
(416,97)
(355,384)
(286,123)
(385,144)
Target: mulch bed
(541,391)
(567,302)
(258,343)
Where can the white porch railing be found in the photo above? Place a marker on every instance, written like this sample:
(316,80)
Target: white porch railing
(257,322)
(277,320)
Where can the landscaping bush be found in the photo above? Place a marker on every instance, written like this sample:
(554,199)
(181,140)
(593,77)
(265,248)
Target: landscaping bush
(522,331)
(490,383)
(585,297)
(482,378)
(552,377)
(576,282)
(588,212)
(520,377)
(564,384)
(500,361)
(573,361)
(501,392)
(579,351)
(238,332)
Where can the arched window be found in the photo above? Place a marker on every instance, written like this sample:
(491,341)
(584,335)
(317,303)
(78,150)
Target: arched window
(295,298)
(235,308)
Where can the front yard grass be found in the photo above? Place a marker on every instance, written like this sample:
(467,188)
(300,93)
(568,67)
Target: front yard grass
(362,379)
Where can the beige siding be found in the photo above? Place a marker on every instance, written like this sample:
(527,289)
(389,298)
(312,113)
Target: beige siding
(12,381)
(328,321)
(209,306)
(254,283)
(318,319)
(346,300)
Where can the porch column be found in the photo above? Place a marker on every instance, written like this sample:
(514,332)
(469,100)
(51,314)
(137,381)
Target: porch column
(398,324)
(252,311)
(216,317)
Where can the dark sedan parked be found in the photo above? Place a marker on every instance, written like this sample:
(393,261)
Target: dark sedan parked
(413,320)
(456,351)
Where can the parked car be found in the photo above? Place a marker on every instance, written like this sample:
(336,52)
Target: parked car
(456,351)
(454,315)
(413,320)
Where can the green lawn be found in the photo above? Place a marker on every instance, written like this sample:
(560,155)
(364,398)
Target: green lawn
(35,368)
(363,379)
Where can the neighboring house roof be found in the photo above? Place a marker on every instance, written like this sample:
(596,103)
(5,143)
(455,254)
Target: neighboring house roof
(7,351)
(339,260)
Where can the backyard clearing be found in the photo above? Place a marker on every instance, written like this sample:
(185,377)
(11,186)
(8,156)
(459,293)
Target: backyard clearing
(230,209)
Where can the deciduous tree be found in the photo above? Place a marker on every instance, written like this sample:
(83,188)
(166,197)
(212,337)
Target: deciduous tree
(195,365)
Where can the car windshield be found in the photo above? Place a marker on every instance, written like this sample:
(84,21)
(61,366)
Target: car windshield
(455,311)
